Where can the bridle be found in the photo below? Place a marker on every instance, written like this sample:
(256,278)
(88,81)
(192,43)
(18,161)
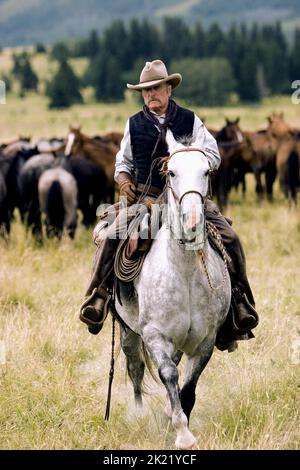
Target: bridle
(179,200)
(168,184)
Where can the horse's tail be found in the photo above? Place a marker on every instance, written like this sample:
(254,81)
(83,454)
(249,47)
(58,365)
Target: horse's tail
(293,174)
(148,364)
(55,208)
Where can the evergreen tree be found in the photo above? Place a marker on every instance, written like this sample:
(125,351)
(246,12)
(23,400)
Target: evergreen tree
(176,39)
(63,90)
(28,78)
(24,73)
(104,74)
(215,41)
(92,44)
(17,65)
(248,86)
(115,41)
(294,62)
(60,52)
(135,40)
(198,41)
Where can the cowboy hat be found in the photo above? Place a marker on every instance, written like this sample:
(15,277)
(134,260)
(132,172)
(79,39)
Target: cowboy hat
(153,74)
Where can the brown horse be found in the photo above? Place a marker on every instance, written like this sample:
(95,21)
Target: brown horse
(244,152)
(114,137)
(100,152)
(288,155)
(278,127)
(264,147)
(235,156)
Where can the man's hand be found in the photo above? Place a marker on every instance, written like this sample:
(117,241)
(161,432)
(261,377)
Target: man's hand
(126,187)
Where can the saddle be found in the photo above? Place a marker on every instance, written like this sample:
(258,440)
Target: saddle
(132,251)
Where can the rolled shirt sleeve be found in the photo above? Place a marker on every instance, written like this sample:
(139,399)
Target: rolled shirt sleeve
(124,157)
(208,143)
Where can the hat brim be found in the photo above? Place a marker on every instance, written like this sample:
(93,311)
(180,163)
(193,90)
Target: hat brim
(174,80)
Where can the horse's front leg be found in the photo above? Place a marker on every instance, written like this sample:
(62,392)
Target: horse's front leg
(131,345)
(161,351)
(194,367)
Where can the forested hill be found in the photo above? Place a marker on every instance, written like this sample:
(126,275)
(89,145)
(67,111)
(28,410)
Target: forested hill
(31,21)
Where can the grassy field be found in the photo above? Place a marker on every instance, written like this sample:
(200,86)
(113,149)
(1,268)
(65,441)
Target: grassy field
(54,380)
(54,375)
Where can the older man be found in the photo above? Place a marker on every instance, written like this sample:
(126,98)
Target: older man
(143,142)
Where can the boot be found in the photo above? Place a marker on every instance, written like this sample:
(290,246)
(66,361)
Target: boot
(245,317)
(94,310)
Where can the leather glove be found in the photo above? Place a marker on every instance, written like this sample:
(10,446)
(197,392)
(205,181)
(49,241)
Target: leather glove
(126,187)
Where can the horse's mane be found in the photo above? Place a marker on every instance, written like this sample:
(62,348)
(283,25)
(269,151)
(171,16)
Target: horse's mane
(186,140)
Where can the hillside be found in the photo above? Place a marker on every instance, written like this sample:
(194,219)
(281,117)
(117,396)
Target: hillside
(30,21)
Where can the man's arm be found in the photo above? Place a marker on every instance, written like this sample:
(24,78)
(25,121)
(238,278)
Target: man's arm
(124,168)
(124,158)
(209,144)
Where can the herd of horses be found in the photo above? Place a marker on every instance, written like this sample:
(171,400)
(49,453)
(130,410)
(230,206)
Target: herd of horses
(272,152)
(51,180)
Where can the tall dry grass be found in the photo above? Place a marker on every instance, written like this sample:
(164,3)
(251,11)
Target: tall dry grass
(54,380)
(54,375)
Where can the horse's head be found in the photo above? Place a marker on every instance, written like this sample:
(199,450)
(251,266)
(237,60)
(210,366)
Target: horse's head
(73,141)
(231,132)
(278,127)
(187,172)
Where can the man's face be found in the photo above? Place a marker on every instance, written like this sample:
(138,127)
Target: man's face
(157,97)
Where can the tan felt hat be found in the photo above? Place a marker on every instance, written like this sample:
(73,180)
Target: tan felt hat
(153,74)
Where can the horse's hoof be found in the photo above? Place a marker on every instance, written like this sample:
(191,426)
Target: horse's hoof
(185,441)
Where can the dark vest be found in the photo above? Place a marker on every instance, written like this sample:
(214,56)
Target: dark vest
(143,136)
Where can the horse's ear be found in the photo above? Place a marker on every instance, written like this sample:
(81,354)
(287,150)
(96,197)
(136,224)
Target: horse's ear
(227,121)
(269,118)
(237,120)
(171,141)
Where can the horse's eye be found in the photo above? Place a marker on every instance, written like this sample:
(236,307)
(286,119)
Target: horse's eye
(171,174)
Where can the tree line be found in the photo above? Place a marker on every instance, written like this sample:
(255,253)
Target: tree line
(244,63)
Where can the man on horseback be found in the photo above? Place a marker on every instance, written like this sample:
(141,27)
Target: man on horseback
(137,172)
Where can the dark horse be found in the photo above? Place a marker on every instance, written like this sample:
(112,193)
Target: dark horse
(98,151)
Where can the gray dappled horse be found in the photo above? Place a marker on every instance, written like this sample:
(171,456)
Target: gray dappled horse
(183,291)
(57,191)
